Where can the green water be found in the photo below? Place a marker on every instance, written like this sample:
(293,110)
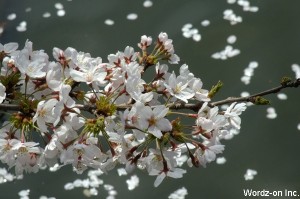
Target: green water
(271,37)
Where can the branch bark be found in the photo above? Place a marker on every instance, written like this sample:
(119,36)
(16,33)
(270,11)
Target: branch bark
(292,84)
(181,105)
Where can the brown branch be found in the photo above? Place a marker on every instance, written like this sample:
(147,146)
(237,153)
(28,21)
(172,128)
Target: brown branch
(9,107)
(122,107)
(291,84)
(180,105)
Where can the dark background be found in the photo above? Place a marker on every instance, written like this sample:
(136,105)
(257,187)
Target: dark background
(270,37)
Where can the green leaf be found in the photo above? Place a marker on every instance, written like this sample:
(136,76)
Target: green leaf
(258,100)
(213,91)
(285,80)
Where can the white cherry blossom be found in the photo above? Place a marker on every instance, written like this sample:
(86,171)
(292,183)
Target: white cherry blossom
(7,152)
(91,71)
(45,114)
(27,157)
(81,155)
(154,120)
(178,88)
(92,114)
(174,173)
(233,112)
(200,93)
(145,42)
(34,69)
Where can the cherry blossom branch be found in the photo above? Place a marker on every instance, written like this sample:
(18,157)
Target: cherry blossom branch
(252,98)
(121,107)
(9,107)
(182,105)
(44,97)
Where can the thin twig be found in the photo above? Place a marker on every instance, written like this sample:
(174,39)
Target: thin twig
(292,84)
(9,107)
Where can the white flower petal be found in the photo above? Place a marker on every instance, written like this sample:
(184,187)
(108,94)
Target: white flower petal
(155,131)
(10,47)
(160,111)
(164,124)
(159,179)
(2,92)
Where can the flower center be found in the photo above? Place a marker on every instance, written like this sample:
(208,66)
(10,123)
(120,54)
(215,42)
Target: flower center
(89,77)
(152,121)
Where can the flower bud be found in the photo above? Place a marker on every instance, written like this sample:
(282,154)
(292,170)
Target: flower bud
(215,89)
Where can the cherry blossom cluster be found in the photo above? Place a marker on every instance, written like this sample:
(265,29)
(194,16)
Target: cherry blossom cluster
(133,111)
